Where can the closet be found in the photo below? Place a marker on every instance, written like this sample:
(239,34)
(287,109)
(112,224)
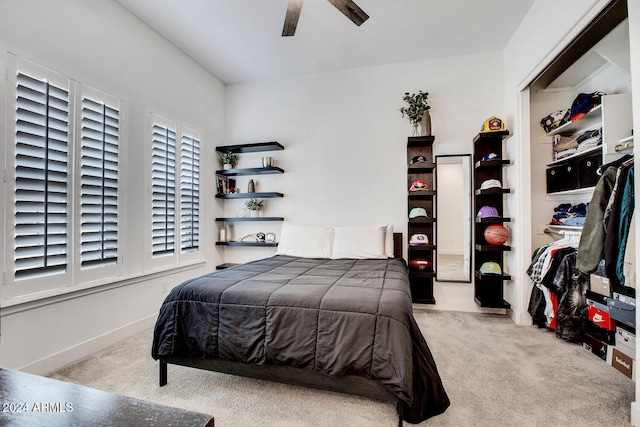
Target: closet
(583,97)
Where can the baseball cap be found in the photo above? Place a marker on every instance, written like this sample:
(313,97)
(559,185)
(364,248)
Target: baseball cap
(490,156)
(416,212)
(418,159)
(418,185)
(419,239)
(492,124)
(488,212)
(555,119)
(490,267)
(490,183)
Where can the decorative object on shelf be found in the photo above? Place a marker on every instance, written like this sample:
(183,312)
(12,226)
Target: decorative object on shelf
(251,187)
(496,234)
(242,213)
(420,264)
(492,124)
(254,205)
(228,160)
(267,162)
(223,235)
(418,112)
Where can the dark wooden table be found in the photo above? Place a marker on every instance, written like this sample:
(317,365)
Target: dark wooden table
(31,400)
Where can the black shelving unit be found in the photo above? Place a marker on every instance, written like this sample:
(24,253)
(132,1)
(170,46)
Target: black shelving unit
(228,174)
(422,280)
(489,288)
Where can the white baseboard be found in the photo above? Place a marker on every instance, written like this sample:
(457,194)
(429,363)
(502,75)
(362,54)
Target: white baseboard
(55,361)
(464,306)
(635,414)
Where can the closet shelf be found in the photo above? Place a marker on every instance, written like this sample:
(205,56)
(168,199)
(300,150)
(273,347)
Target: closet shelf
(485,302)
(423,168)
(576,155)
(593,117)
(256,244)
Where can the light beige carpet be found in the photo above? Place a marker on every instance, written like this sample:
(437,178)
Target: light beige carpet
(495,372)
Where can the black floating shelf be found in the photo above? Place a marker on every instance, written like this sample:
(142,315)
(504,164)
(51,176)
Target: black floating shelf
(490,164)
(485,302)
(250,171)
(251,218)
(248,195)
(422,194)
(492,220)
(422,168)
(420,141)
(493,248)
(502,276)
(422,247)
(251,148)
(489,135)
(421,274)
(421,221)
(255,244)
(493,192)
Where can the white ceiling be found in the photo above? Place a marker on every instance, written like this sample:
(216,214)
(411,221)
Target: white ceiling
(240,40)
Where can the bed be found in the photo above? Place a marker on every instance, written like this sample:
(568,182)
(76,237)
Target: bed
(329,322)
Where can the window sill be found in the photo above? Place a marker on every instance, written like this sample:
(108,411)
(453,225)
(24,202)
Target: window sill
(41,299)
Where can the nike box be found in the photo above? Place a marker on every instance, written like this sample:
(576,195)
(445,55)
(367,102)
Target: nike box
(601,317)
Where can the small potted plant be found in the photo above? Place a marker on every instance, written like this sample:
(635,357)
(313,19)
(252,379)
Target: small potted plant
(254,205)
(418,112)
(228,160)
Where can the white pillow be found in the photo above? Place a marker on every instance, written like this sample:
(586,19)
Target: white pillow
(359,242)
(306,241)
(388,242)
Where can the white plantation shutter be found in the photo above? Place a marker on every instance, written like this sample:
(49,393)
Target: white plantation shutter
(163,182)
(41,175)
(99,183)
(189,193)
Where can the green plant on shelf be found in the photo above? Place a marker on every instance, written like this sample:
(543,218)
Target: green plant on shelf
(254,204)
(229,158)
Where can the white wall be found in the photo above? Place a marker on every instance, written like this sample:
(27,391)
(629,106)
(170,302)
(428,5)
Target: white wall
(100,44)
(541,36)
(345,141)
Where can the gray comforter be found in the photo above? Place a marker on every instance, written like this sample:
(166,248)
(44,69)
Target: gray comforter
(337,317)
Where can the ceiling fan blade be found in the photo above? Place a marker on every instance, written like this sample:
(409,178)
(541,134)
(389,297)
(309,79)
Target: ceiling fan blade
(350,10)
(291,18)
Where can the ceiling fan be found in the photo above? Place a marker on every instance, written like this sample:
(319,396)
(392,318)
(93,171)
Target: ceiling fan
(347,7)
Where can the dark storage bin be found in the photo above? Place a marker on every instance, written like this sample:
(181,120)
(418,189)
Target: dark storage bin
(587,170)
(562,177)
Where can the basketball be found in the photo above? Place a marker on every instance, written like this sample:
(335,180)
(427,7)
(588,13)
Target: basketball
(496,234)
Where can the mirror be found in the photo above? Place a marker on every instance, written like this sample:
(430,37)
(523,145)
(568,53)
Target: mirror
(454,218)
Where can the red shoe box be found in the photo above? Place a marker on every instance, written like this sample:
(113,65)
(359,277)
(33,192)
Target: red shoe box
(601,318)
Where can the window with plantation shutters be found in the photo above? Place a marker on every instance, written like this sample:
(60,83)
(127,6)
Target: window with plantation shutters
(41,177)
(100,139)
(189,193)
(163,183)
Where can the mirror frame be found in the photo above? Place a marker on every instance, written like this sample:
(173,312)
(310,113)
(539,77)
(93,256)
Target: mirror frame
(470,213)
